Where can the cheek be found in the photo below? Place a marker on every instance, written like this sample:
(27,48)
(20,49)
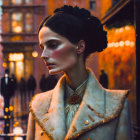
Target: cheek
(64,53)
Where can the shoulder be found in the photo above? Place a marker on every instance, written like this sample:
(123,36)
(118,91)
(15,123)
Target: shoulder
(115,100)
(41,101)
(117,94)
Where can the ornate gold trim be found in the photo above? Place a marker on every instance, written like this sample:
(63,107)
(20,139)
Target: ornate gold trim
(74,129)
(44,120)
(98,114)
(37,120)
(91,118)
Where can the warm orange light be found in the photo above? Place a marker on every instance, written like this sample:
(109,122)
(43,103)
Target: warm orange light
(5,117)
(132,43)
(127,27)
(127,42)
(16,38)
(6,109)
(121,37)
(121,43)
(16,123)
(35,54)
(18,29)
(121,29)
(4,64)
(16,57)
(11,108)
(116,44)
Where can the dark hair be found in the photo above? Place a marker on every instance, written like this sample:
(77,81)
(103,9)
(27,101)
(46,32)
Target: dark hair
(77,24)
(6,71)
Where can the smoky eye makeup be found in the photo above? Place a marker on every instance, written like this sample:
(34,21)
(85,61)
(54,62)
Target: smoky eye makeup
(53,44)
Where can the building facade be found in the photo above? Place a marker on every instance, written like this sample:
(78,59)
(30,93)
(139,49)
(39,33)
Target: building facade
(19,25)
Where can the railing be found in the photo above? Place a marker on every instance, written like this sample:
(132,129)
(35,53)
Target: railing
(13,135)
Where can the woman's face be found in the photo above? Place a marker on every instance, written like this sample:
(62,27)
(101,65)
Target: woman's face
(59,53)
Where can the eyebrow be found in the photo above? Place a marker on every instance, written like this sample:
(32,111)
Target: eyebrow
(49,41)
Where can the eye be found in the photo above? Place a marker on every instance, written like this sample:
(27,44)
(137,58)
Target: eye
(53,45)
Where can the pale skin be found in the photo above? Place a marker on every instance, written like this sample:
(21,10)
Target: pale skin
(60,55)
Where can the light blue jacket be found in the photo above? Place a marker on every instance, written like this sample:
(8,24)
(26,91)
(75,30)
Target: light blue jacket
(103,115)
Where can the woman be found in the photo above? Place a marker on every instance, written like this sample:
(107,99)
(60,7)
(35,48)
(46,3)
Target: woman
(78,107)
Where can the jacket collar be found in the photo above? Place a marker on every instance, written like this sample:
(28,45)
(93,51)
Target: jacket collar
(98,106)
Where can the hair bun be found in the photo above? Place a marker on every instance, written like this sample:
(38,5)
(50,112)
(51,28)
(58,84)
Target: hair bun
(93,29)
(75,11)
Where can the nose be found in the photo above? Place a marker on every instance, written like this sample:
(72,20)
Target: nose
(46,53)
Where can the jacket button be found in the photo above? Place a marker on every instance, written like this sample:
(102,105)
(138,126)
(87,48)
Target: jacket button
(86,122)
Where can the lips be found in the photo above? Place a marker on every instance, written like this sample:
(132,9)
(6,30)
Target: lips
(50,65)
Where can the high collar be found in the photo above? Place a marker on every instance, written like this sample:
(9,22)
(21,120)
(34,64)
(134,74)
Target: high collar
(98,106)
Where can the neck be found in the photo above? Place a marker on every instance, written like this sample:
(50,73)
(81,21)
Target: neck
(76,76)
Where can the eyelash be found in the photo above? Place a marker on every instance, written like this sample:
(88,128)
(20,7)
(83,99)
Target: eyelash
(52,46)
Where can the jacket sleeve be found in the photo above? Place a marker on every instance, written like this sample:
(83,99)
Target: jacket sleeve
(30,128)
(124,129)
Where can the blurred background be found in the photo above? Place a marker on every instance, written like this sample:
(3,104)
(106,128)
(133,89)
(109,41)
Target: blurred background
(20,54)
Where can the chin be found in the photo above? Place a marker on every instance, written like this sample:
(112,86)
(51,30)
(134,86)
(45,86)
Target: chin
(54,71)
(59,70)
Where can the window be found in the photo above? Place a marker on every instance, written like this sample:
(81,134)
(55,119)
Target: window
(92,5)
(17,22)
(21,22)
(28,22)
(28,1)
(17,1)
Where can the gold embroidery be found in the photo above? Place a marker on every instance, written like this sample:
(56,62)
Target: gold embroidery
(103,121)
(44,120)
(51,135)
(98,114)
(51,129)
(91,118)
(74,129)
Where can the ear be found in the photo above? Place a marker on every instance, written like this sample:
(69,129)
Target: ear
(80,47)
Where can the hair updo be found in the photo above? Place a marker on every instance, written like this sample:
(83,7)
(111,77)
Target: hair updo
(78,24)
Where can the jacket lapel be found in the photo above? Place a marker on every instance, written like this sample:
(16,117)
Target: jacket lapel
(55,125)
(48,111)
